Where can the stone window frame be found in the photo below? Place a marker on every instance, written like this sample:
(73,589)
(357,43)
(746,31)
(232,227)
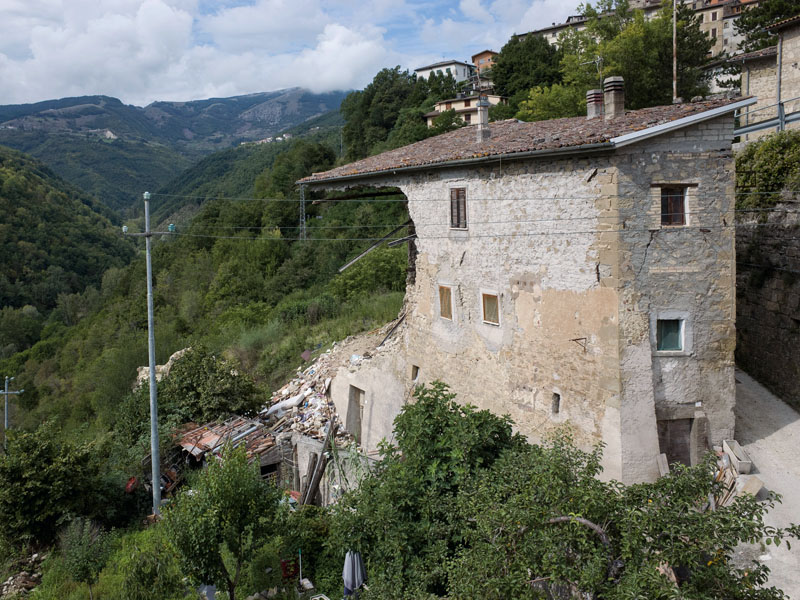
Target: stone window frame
(451,288)
(687,331)
(690,198)
(490,292)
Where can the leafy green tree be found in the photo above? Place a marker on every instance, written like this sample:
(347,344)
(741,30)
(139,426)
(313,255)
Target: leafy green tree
(218,524)
(522,65)
(203,386)
(401,518)
(42,481)
(752,22)
(149,568)
(552,102)
(766,168)
(85,548)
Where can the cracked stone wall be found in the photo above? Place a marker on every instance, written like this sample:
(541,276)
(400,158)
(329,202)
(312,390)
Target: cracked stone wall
(574,250)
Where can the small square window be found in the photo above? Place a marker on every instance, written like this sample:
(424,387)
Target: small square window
(467,118)
(445,302)
(669,335)
(673,206)
(491,309)
(458,208)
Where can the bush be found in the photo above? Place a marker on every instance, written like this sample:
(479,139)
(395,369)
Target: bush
(766,168)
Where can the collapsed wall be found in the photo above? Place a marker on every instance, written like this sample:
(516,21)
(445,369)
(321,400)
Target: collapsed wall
(768,297)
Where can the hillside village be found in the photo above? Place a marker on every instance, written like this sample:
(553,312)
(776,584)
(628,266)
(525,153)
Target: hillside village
(543,367)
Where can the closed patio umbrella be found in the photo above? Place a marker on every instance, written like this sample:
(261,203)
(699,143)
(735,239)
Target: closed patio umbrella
(354,573)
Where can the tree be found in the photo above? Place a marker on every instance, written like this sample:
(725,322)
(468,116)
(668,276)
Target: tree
(522,65)
(401,517)
(462,508)
(218,524)
(753,20)
(42,481)
(203,386)
(552,102)
(85,548)
(149,568)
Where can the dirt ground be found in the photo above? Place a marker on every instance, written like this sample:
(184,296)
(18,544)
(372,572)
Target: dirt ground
(769,430)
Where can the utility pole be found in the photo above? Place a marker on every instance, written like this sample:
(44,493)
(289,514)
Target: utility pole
(674,51)
(5,412)
(302,235)
(151,347)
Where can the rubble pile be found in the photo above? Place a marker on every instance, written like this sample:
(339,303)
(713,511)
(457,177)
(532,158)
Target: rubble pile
(733,472)
(302,405)
(23,582)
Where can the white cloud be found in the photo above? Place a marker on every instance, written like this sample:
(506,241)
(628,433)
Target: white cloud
(145,50)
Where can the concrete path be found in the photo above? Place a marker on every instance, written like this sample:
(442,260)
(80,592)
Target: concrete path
(769,430)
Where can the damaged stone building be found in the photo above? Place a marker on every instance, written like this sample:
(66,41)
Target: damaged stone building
(576,270)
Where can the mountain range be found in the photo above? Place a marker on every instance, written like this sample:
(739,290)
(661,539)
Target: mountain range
(115,150)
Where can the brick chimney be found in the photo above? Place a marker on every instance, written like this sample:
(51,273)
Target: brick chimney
(483,119)
(614,97)
(594,104)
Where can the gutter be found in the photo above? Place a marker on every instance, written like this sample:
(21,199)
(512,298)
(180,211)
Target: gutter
(583,149)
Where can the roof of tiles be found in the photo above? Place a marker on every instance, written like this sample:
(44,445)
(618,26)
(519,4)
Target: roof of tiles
(512,136)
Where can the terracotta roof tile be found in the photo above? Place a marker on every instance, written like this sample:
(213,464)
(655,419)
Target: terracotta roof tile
(512,136)
(795,20)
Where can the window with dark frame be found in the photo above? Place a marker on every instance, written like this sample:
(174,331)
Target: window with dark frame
(458,208)
(491,309)
(467,103)
(673,206)
(669,335)
(445,302)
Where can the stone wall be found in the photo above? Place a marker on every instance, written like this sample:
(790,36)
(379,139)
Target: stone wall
(768,299)
(574,251)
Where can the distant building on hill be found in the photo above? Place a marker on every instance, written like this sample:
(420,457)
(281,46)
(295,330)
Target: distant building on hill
(459,70)
(484,61)
(465,106)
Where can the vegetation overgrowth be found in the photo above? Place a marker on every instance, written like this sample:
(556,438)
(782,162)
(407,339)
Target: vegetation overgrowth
(458,507)
(767,168)
(544,82)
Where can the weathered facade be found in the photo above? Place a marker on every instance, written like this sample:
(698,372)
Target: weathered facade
(548,286)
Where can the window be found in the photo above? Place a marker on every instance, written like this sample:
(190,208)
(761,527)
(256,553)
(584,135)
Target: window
(448,105)
(669,335)
(714,16)
(726,24)
(414,372)
(445,302)
(468,118)
(491,309)
(448,68)
(673,206)
(467,103)
(714,32)
(458,208)
(556,405)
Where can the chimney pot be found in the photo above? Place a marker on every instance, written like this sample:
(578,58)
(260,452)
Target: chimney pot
(594,104)
(483,119)
(614,97)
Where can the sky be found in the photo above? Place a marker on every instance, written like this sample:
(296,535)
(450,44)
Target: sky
(145,50)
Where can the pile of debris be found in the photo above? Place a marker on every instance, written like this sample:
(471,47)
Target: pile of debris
(303,405)
(23,582)
(733,472)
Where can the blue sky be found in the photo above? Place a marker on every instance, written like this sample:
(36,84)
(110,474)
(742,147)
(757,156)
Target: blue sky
(146,50)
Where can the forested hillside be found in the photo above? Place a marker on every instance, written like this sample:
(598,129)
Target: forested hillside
(116,151)
(56,242)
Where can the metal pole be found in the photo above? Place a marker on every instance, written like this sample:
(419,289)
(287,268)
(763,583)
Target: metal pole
(674,51)
(151,346)
(302,212)
(5,419)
